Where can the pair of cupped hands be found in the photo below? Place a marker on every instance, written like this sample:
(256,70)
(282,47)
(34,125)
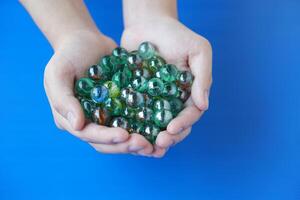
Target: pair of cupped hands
(75,53)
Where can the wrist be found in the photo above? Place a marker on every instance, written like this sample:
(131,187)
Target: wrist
(140,12)
(78,34)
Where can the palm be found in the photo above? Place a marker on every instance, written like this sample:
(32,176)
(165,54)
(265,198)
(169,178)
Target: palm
(177,44)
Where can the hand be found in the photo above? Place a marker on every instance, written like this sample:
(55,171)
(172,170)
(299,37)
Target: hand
(188,51)
(72,56)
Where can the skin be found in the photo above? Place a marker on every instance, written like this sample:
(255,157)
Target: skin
(78,43)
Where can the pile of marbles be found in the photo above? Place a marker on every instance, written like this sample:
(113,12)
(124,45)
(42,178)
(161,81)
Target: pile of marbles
(137,91)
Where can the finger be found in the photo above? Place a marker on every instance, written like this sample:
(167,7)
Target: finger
(200,63)
(59,83)
(186,118)
(159,152)
(94,133)
(165,140)
(136,143)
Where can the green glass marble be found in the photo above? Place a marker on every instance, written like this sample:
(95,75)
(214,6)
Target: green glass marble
(157,74)
(113,89)
(120,122)
(170,90)
(168,73)
(122,78)
(128,113)
(139,84)
(134,60)
(84,86)
(155,87)
(162,118)
(98,72)
(114,106)
(135,99)
(142,72)
(101,116)
(147,50)
(185,79)
(151,132)
(144,114)
(176,105)
(154,63)
(162,104)
(125,92)
(105,61)
(136,127)
(119,55)
(88,107)
(183,94)
(99,94)
(149,101)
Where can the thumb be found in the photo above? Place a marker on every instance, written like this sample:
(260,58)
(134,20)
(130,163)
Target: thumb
(201,66)
(59,82)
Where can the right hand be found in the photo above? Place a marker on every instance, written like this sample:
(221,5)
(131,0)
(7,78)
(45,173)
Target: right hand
(72,57)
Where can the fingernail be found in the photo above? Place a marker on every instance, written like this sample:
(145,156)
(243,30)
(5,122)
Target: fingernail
(180,130)
(135,148)
(71,119)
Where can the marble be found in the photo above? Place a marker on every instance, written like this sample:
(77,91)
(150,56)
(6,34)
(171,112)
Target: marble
(113,89)
(101,116)
(84,86)
(120,122)
(162,118)
(168,72)
(99,94)
(155,87)
(161,104)
(147,50)
(185,79)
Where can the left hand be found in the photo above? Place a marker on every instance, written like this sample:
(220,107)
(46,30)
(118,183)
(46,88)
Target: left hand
(188,51)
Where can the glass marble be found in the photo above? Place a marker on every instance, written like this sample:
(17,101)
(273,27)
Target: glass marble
(149,101)
(136,127)
(162,104)
(162,118)
(119,55)
(99,94)
(105,61)
(114,106)
(176,105)
(142,72)
(157,74)
(120,122)
(170,90)
(147,50)
(139,84)
(98,72)
(101,116)
(185,79)
(144,114)
(183,94)
(155,63)
(134,60)
(168,73)
(88,107)
(113,89)
(135,99)
(125,92)
(128,113)
(122,78)
(84,86)
(155,87)
(150,132)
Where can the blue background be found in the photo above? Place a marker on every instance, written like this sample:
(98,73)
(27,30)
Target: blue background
(245,147)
